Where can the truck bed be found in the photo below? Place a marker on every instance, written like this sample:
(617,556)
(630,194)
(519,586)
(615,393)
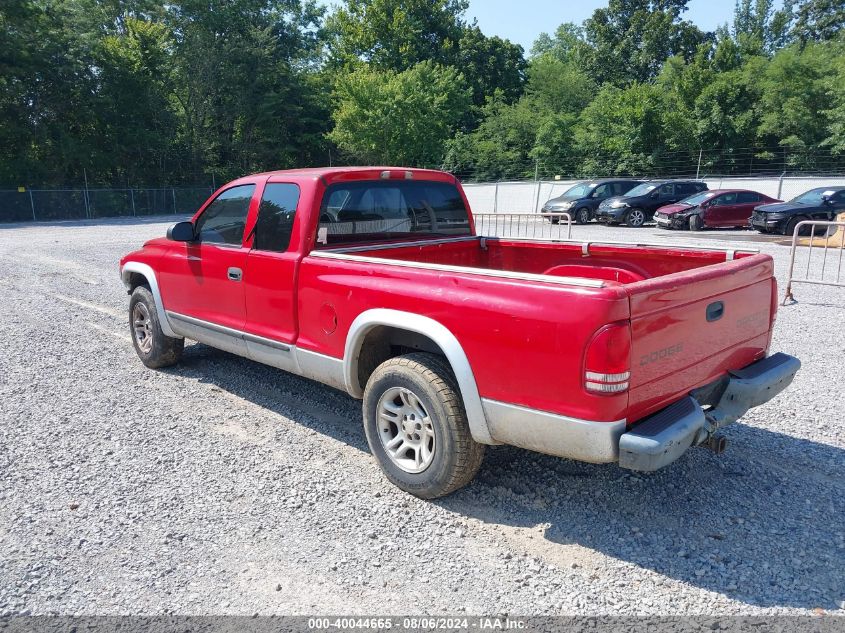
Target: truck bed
(620,263)
(669,290)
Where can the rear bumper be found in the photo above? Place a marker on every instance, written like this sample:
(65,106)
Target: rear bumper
(664,436)
(653,442)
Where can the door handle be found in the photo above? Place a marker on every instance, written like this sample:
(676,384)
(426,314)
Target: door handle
(235,274)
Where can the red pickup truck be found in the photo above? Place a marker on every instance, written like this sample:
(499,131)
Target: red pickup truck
(373,281)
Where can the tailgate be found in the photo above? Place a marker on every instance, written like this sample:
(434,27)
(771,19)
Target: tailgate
(690,328)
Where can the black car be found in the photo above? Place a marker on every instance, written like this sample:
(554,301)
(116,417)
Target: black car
(822,203)
(637,206)
(581,201)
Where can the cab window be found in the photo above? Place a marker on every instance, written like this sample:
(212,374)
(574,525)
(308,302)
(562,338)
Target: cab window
(223,220)
(390,209)
(275,217)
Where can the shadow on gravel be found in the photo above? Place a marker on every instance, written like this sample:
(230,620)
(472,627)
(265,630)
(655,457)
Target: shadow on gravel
(761,524)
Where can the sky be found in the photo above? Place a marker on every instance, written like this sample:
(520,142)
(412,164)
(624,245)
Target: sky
(521,21)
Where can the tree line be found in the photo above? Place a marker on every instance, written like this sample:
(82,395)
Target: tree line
(138,92)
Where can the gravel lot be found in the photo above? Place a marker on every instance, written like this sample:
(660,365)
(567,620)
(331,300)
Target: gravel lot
(225,487)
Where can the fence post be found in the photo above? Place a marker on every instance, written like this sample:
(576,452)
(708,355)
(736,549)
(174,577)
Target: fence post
(173,191)
(780,185)
(132,197)
(496,198)
(536,198)
(32,204)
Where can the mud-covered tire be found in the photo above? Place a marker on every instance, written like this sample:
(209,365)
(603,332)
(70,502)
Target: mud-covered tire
(153,347)
(454,456)
(695,223)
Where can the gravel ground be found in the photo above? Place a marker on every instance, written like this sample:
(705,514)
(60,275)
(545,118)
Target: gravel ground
(225,487)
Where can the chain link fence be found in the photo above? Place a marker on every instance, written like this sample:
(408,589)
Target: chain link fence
(44,205)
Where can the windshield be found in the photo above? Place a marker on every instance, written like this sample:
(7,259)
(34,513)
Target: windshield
(640,190)
(814,196)
(578,191)
(698,198)
(389,209)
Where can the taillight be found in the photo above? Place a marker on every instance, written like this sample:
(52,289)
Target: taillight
(607,364)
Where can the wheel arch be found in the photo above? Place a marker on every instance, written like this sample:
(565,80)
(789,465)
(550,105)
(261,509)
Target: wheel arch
(134,274)
(373,330)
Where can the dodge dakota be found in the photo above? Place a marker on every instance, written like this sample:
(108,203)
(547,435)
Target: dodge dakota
(374,281)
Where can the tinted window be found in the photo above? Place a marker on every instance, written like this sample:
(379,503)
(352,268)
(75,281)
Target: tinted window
(744,197)
(666,190)
(380,210)
(275,217)
(603,191)
(838,197)
(687,188)
(224,219)
(620,188)
(726,198)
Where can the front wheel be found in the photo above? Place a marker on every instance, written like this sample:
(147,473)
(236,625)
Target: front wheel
(417,427)
(154,348)
(695,223)
(635,218)
(582,216)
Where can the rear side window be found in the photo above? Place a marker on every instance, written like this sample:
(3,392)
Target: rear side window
(223,221)
(744,197)
(385,210)
(275,217)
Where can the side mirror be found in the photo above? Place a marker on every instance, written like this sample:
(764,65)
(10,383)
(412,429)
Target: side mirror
(181,232)
(654,194)
(827,200)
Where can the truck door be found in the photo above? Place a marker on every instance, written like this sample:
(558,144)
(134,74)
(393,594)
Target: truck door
(202,279)
(271,270)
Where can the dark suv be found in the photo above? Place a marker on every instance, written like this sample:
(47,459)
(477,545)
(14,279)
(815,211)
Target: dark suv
(581,201)
(637,206)
(822,203)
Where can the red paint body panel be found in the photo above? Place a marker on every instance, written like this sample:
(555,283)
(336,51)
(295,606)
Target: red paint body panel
(525,339)
(722,215)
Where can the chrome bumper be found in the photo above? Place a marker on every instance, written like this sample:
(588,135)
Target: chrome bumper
(664,436)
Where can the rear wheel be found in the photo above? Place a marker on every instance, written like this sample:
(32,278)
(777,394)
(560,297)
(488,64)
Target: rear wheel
(635,218)
(153,347)
(582,216)
(417,427)
(695,223)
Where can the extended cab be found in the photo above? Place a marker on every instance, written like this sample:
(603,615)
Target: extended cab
(373,281)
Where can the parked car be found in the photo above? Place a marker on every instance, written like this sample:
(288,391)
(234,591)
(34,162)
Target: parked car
(581,201)
(821,203)
(373,281)
(711,209)
(637,206)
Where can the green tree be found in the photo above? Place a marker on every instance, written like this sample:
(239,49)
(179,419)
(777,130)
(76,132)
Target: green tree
(490,64)
(629,40)
(621,131)
(818,20)
(395,34)
(795,102)
(402,118)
